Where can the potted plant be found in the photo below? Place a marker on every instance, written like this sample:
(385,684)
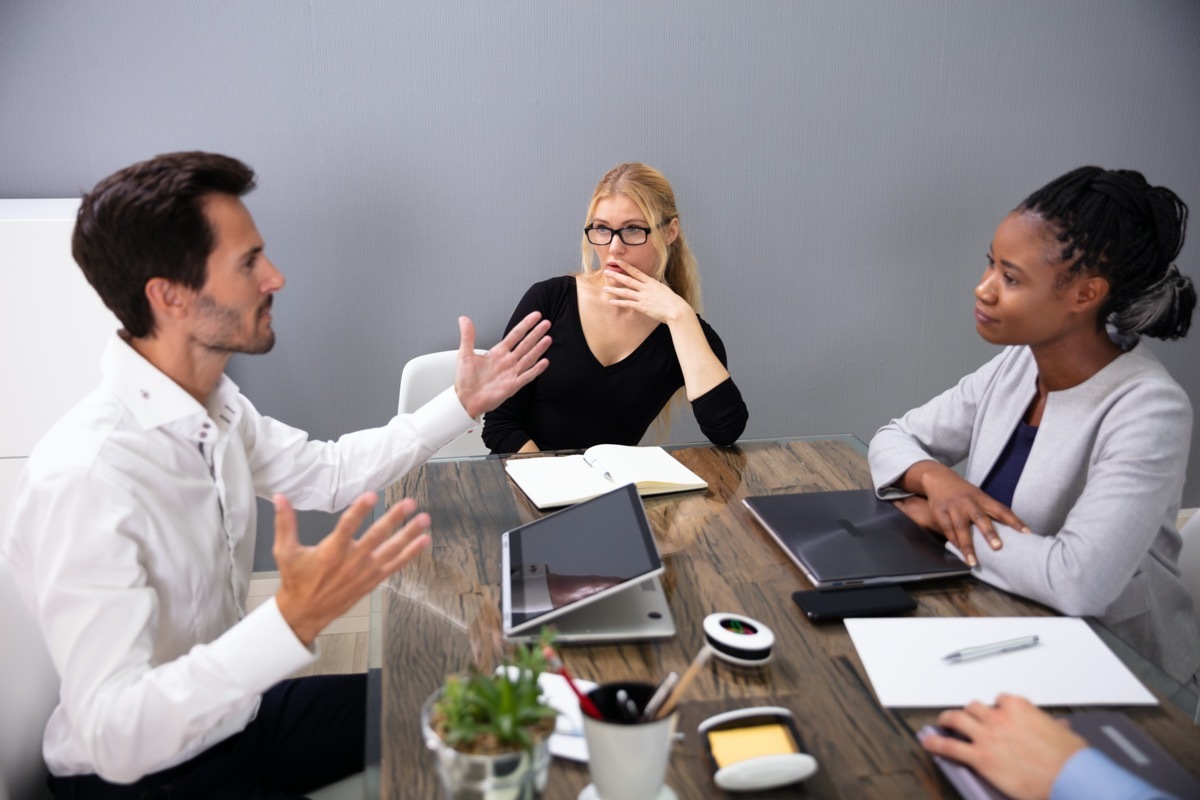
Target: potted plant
(490,733)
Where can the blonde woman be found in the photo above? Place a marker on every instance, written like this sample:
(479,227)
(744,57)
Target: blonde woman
(627,332)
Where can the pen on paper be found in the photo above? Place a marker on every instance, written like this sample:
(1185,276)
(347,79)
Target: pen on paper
(995,648)
(594,464)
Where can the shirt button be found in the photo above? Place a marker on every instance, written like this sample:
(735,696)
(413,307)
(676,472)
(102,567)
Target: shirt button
(203,434)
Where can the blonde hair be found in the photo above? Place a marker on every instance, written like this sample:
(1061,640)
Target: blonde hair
(649,189)
(651,192)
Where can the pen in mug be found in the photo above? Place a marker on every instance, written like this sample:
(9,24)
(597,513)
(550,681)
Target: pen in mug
(692,671)
(626,707)
(659,696)
(1007,646)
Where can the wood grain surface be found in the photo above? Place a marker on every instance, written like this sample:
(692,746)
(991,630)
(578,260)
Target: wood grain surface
(442,614)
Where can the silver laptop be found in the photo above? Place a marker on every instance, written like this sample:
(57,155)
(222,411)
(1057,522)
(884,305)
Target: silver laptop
(591,571)
(852,538)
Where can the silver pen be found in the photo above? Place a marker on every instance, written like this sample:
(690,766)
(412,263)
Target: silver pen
(595,464)
(1007,646)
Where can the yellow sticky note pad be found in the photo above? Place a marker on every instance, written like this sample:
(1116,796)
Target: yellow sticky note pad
(739,744)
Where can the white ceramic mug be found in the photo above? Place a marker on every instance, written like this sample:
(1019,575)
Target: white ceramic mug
(627,760)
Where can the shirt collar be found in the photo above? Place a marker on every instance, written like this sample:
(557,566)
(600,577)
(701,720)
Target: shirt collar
(154,399)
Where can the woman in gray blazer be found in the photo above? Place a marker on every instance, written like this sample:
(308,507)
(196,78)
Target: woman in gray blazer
(1075,436)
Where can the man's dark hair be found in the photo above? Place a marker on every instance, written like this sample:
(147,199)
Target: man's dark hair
(147,221)
(1114,224)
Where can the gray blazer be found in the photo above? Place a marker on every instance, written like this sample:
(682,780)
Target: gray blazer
(1100,490)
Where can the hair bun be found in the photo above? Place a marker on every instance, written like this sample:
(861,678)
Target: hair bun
(1175,281)
(1163,310)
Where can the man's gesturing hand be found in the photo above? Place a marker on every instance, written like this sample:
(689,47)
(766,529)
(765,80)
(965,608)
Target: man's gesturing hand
(484,382)
(319,583)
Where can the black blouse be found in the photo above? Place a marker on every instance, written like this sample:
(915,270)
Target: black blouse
(577,402)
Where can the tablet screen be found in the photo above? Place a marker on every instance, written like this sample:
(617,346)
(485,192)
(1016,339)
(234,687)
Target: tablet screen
(577,555)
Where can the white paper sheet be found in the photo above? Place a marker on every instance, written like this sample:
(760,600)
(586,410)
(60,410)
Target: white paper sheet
(1069,666)
(567,740)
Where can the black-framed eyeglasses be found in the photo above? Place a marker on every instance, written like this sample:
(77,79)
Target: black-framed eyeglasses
(630,235)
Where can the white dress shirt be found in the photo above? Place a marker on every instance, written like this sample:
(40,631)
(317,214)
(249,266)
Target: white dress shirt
(132,540)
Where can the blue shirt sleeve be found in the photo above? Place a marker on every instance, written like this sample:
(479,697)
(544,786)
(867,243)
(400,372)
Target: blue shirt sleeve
(1090,775)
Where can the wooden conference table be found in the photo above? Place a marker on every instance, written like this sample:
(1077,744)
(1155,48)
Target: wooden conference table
(441,614)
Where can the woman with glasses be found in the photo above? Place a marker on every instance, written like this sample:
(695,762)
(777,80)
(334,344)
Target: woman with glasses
(1075,437)
(627,333)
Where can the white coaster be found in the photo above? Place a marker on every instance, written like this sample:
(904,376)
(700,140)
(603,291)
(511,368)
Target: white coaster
(589,793)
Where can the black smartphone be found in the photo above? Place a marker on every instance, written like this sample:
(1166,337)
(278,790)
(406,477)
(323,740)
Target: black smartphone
(866,601)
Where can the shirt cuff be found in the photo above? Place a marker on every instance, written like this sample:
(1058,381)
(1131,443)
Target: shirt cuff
(262,649)
(1092,775)
(443,419)
(892,492)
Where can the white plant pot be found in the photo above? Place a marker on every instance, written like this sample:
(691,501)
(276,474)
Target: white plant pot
(505,776)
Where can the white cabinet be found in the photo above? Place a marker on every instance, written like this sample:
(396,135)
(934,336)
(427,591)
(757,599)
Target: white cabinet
(52,328)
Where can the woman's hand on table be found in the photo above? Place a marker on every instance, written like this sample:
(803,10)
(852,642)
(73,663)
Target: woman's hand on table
(916,508)
(954,505)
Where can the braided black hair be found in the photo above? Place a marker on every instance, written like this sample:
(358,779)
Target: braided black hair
(1114,224)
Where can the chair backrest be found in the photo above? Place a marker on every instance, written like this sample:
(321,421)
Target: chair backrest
(28,693)
(1189,557)
(423,378)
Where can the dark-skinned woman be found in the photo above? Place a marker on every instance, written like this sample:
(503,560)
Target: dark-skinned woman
(1075,438)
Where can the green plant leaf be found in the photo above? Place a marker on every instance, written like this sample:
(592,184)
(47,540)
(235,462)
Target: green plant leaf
(506,708)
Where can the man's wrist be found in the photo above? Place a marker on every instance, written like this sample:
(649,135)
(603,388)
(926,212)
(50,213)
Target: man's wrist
(305,630)
(466,401)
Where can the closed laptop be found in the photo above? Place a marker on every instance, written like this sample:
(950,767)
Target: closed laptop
(852,538)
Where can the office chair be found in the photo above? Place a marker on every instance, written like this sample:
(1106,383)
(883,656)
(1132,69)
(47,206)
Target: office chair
(1189,557)
(423,378)
(1189,566)
(28,693)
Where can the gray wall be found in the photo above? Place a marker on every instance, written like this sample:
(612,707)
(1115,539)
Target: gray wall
(840,167)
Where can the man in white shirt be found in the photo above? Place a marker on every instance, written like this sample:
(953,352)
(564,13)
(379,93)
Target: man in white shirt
(132,531)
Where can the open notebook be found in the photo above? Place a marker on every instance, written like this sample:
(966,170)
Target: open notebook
(554,481)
